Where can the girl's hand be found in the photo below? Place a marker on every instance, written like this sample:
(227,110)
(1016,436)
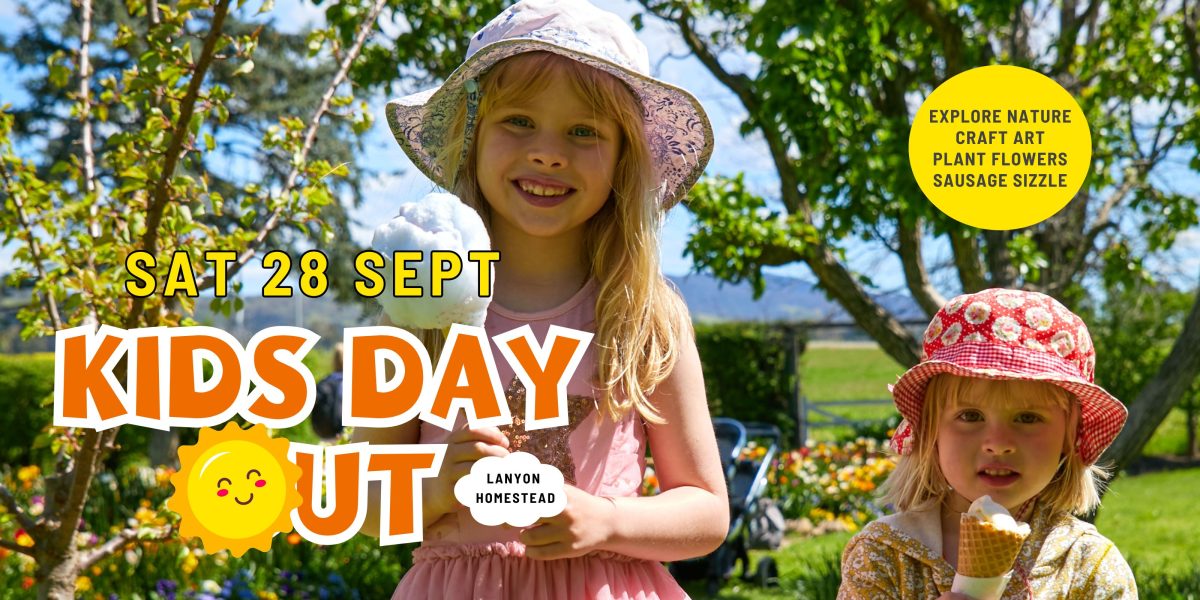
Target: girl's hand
(584,525)
(463,448)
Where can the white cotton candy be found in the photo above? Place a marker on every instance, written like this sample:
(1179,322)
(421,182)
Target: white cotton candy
(438,221)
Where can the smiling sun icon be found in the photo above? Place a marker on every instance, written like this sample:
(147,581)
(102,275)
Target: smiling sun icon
(235,489)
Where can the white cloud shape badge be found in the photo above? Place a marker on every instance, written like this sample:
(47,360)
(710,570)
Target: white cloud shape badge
(514,489)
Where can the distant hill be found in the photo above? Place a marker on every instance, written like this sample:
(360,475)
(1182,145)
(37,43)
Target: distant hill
(785,299)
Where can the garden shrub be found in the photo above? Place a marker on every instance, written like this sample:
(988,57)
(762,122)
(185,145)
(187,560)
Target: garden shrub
(747,375)
(26,387)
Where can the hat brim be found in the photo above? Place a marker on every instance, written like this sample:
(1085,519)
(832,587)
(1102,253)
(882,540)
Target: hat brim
(678,132)
(1102,415)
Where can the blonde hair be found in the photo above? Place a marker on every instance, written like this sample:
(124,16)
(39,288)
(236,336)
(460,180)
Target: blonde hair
(639,318)
(917,483)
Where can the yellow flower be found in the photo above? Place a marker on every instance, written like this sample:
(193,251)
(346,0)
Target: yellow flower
(189,564)
(83,583)
(144,515)
(29,473)
(162,475)
(268,596)
(96,570)
(23,539)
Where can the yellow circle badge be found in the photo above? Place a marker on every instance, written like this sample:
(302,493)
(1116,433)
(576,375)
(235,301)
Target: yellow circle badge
(1000,147)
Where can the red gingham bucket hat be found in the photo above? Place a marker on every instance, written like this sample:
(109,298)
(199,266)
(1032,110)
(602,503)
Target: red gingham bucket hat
(1015,335)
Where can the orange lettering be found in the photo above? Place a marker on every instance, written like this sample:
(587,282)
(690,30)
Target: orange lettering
(366,400)
(188,402)
(463,359)
(281,375)
(343,483)
(84,376)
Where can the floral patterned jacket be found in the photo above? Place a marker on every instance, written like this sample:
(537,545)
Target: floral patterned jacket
(900,557)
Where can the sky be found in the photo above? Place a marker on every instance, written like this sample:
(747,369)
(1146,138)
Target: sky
(398,181)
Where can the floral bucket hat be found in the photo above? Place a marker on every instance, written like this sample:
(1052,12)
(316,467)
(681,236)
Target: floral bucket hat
(1016,335)
(677,129)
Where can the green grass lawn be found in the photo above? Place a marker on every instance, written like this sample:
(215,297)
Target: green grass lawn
(831,373)
(1151,518)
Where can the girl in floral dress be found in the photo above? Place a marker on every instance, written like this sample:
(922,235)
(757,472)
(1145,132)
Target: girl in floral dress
(1003,404)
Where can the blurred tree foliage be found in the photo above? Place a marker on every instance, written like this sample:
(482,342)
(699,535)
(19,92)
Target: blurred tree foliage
(831,89)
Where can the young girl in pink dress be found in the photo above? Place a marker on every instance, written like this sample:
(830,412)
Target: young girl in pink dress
(553,131)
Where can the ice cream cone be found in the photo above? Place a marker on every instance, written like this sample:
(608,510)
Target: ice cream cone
(985,550)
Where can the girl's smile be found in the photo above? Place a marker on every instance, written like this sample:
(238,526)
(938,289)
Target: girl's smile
(542,191)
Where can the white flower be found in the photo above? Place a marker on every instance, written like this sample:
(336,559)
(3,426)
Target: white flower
(934,330)
(1006,328)
(974,337)
(978,312)
(1035,345)
(1063,343)
(951,334)
(1009,299)
(1061,311)
(1039,318)
(956,304)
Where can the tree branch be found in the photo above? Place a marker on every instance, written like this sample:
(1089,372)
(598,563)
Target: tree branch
(11,504)
(909,237)
(1191,16)
(833,276)
(310,137)
(159,196)
(877,322)
(80,479)
(1069,26)
(1159,395)
(998,259)
(15,547)
(965,245)
(102,551)
(947,32)
(88,173)
(34,247)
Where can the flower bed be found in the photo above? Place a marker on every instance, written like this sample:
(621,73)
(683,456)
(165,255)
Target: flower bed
(132,498)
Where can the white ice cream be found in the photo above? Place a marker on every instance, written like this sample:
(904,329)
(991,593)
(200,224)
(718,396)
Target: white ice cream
(436,222)
(986,509)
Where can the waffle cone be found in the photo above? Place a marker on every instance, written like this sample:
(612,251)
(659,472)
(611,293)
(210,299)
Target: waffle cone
(984,550)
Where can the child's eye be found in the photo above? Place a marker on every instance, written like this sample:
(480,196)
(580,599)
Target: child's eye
(970,416)
(582,131)
(1029,417)
(519,121)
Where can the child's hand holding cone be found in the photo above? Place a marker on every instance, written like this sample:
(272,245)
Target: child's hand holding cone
(989,540)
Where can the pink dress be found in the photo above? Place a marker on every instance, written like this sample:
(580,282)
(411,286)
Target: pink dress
(595,454)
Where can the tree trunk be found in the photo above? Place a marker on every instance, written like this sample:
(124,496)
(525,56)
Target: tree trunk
(56,572)
(164,447)
(1161,393)
(1191,428)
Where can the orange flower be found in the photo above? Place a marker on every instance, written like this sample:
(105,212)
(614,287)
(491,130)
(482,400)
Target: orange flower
(293,538)
(27,583)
